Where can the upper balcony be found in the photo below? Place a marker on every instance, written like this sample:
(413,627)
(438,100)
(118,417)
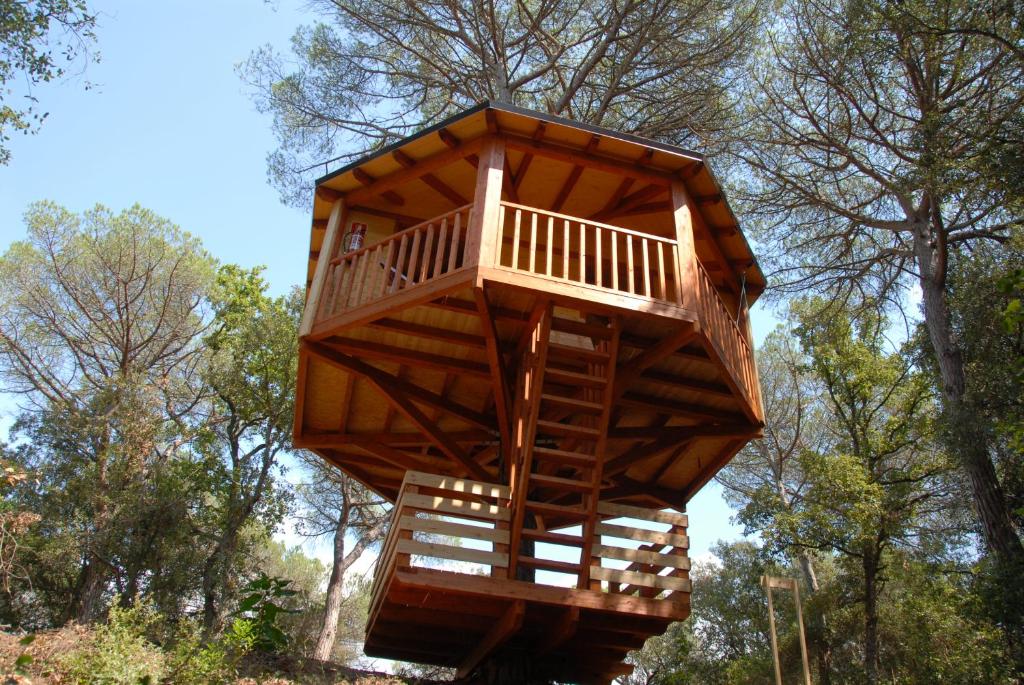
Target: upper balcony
(472,228)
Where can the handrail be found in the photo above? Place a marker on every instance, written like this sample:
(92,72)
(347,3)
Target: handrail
(727,337)
(420,253)
(399,234)
(589,222)
(588,253)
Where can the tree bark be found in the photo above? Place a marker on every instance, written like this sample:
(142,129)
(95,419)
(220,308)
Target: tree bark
(332,609)
(822,645)
(871,617)
(969,442)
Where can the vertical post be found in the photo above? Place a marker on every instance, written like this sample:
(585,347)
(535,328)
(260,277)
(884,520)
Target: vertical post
(682,213)
(771,630)
(328,250)
(803,641)
(482,238)
(755,381)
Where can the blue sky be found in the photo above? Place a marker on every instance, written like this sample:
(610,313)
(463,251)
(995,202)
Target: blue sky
(170,125)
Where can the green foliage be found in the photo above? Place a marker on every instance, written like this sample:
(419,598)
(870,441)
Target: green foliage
(260,610)
(119,652)
(31,32)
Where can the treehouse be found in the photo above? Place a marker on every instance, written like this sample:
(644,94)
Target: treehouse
(532,336)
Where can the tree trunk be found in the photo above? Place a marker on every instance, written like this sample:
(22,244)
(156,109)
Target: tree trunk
(871,618)
(822,645)
(969,441)
(332,609)
(85,606)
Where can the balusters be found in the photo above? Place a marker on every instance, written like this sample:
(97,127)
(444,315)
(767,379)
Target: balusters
(442,243)
(647,268)
(515,239)
(599,271)
(566,248)
(533,242)
(453,258)
(551,236)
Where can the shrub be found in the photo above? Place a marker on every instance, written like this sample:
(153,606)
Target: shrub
(119,652)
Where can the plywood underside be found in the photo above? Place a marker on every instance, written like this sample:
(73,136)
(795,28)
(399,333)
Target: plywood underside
(438,350)
(437,617)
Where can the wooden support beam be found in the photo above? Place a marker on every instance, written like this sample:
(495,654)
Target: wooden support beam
(508,184)
(682,433)
(402,355)
(632,369)
(403,220)
(431,180)
(507,626)
(686,410)
(615,199)
(332,239)
(430,332)
(332,440)
(499,373)
(629,202)
(428,398)
(403,176)
(397,395)
(687,212)
(328,194)
(638,453)
(688,384)
(481,236)
(566,189)
(367,180)
(562,630)
(574,156)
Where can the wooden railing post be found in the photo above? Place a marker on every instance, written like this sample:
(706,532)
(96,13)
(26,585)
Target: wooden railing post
(328,251)
(682,212)
(483,239)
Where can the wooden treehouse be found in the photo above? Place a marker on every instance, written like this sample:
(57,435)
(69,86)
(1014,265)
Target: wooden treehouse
(531,336)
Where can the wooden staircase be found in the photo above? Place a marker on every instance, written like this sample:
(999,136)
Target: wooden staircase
(561,413)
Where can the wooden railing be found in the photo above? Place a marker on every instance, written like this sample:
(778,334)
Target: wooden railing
(431,513)
(725,334)
(658,565)
(582,252)
(441,520)
(418,254)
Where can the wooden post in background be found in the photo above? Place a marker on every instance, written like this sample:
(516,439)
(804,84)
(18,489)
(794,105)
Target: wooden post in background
(770,582)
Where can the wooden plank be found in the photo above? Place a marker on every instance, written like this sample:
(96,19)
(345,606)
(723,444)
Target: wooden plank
(566,189)
(462,485)
(335,226)
(385,383)
(642,513)
(642,579)
(451,553)
(509,624)
(445,505)
(631,370)
(466,584)
(423,331)
(424,166)
(608,164)
(481,236)
(642,535)
(455,530)
(402,355)
(640,556)
(499,373)
(562,630)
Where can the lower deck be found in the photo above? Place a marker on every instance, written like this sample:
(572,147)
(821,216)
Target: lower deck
(459,620)
(453,588)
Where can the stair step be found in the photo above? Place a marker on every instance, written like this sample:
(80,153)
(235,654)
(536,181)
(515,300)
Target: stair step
(554,538)
(568,429)
(550,565)
(570,484)
(557,510)
(566,377)
(576,353)
(563,456)
(572,403)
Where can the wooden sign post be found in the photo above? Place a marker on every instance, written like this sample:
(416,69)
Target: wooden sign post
(769,583)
